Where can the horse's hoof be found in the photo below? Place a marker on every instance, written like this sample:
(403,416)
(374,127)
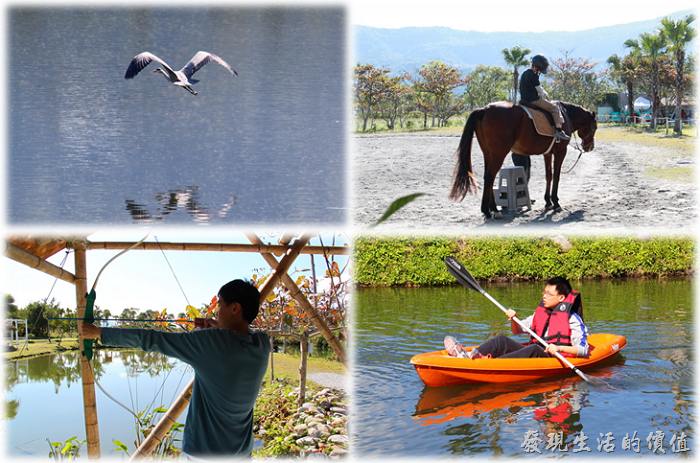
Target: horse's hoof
(558,209)
(497,215)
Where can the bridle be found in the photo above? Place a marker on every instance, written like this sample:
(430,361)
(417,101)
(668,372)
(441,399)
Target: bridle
(587,146)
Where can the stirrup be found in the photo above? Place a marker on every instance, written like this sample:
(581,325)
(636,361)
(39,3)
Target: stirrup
(559,134)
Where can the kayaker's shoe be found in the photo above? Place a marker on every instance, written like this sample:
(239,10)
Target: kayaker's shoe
(454,348)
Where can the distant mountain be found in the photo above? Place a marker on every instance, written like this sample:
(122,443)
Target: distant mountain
(411,47)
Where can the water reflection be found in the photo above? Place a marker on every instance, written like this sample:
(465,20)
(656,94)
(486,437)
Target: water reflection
(186,200)
(43,391)
(83,141)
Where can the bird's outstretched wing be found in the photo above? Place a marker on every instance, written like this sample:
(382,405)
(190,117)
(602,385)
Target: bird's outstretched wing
(142,60)
(202,58)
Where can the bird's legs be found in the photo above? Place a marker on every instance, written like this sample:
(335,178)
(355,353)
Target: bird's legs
(189,89)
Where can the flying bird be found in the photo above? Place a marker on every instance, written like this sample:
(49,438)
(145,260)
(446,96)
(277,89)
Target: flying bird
(181,78)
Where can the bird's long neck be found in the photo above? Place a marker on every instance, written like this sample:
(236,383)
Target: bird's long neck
(161,71)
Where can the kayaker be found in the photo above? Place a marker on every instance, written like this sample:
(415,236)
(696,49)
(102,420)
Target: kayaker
(229,362)
(557,320)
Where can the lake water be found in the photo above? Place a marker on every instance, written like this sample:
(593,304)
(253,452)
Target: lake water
(87,146)
(651,384)
(43,398)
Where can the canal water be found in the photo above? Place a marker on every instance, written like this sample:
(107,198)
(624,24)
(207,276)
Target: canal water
(648,410)
(86,146)
(43,399)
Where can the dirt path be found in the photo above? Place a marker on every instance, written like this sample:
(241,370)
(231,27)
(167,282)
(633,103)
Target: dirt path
(617,188)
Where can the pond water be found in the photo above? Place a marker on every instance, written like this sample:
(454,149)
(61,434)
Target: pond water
(87,146)
(651,384)
(43,398)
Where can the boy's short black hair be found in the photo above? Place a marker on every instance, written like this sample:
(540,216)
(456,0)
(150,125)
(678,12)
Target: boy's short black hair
(562,284)
(245,294)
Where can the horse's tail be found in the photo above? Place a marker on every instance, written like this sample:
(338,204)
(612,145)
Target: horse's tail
(463,177)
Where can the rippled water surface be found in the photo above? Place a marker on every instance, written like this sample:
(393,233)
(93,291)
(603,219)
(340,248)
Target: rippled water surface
(651,384)
(87,146)
(43,399)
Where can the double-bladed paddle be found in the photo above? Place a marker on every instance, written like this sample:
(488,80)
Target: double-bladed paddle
(463,276)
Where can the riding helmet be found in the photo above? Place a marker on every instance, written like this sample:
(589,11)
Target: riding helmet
(540,63)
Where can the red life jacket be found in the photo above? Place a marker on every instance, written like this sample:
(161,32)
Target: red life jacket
(556,321)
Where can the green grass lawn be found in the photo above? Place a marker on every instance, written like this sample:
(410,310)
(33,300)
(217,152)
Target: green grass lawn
(614,133)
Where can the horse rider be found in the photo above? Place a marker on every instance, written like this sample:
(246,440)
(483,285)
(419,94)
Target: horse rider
(532,92)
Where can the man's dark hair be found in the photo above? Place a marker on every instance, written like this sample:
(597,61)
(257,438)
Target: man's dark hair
(562,284)
(245,294)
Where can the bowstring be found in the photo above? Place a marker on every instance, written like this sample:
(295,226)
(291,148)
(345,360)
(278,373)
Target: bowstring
(171,270)
(185,370)
(46,299)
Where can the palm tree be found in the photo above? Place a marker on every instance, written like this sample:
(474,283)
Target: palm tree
(626,71)
(516,57)
(653,48)
(679,34)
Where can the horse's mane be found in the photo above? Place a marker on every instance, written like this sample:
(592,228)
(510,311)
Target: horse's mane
(575,110)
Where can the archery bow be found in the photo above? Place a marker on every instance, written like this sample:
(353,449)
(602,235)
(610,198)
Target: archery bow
(89,315)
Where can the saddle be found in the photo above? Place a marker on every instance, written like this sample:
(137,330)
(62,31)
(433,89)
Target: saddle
(543,120)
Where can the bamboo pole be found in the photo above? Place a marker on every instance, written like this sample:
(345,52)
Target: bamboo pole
(92,430)
(175,410)
(277,249)
(310,310)
(27,258)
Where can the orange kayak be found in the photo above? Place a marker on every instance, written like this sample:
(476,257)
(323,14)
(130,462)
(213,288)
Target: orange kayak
(439,369)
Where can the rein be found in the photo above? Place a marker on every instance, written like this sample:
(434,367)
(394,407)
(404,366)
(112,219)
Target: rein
(580,152)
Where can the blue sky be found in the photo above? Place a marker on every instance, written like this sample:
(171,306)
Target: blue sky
(143,279)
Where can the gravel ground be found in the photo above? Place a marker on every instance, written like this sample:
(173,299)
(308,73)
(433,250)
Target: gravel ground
(619,187)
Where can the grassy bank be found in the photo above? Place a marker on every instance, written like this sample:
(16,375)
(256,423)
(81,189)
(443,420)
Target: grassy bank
(285,366)
(410,261)
(36,347)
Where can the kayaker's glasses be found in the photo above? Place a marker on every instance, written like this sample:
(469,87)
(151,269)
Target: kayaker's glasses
(546,294)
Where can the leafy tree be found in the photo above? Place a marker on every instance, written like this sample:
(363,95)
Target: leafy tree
(516,57)
(371,85)
(37,314)
(574,80)
(679,34)
(441,80)
(11,310)
(652,48)
(129,313)
(420,101)
(393,102)
(486,84)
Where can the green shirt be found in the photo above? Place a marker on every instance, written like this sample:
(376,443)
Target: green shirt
(229,369)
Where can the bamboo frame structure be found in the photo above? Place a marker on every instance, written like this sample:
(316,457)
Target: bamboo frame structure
(81,245)
(307,307)
(276,249)
(30,260)
(92,430)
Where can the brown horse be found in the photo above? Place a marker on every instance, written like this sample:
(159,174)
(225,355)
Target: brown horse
(502,127)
